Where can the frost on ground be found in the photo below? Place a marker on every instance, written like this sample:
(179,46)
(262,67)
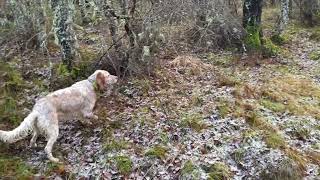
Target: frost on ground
(208,117)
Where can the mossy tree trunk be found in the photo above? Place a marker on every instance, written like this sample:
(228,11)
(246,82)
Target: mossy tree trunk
(63,21)
(252,10)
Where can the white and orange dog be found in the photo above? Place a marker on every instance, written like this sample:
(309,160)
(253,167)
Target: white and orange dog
(80,98)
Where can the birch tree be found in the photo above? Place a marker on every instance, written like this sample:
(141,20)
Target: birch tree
(64,33)
(284,17)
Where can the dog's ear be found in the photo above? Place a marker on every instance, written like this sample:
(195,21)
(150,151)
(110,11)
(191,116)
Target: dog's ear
(101,81)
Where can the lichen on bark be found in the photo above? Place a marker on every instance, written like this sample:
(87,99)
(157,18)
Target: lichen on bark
(64,34)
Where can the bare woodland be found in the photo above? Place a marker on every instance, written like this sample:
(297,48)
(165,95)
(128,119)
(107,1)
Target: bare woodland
(208,89)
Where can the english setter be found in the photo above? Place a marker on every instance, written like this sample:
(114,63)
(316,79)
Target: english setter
(79,98)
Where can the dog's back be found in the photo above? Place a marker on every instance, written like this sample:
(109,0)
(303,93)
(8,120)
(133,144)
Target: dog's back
(71,99)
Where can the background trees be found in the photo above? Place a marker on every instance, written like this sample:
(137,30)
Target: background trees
(188,68)
(137,28)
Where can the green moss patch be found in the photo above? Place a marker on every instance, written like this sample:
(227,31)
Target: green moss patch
(12,83)
(15,168)
(219,171)
(273,106)
(189,171)
(157,152)
(252,40)
(315,55)
(270,49)
(124,164)
(275,141)
(193,121)
(279,39)
(116,145)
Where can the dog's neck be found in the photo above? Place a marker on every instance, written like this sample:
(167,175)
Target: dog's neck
(94,85)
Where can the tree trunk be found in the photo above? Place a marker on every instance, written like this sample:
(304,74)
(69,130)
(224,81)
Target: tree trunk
(310,9)
(284,17)
(64,31)
(290,8)
(252,10)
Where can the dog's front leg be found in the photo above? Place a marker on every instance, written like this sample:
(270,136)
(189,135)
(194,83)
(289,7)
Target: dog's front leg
(88,111)
(90,115)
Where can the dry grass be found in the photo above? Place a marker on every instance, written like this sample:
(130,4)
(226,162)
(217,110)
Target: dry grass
(190,65)
(295,94)
(299,95)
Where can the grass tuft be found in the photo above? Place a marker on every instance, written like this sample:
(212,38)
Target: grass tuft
(124,164)
(193,121)
(219,171)
(275,141)
(115,145)
(15,168)
(157,152)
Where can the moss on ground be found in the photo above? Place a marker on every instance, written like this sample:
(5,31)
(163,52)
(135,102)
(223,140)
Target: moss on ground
(12,83)
(188,167)
(124,164)
(287,93)
(238,155)
(273,106)
(14,168)
(116,145)
(224,107)
(219,171)
(270,49)
(275,141)
(157,151)
(227,80)
(189,171)
(315,55)
(193,121)
(279,39)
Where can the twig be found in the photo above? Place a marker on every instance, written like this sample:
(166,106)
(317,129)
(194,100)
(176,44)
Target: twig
(107,51)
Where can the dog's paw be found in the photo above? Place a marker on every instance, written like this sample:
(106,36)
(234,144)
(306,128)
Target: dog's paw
(33,145)
(55,160)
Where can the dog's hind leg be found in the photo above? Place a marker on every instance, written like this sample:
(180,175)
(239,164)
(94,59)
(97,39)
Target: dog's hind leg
(52,134)
(49,125)
(36,133)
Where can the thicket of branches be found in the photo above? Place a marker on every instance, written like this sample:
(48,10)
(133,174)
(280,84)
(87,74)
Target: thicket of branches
(137,28)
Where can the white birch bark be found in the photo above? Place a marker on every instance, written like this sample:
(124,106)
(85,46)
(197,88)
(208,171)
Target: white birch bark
(284,17)
(63,28)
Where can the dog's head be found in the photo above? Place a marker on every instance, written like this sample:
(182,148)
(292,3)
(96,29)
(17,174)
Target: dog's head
(104,80)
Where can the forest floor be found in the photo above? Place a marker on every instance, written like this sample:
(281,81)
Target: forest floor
(213,115)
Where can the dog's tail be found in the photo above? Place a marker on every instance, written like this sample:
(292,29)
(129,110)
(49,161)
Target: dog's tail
(21,131)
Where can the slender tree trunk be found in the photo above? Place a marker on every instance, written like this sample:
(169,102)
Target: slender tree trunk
(252,11)
(310,9)
(64,31)
(290,8)
(284,17)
